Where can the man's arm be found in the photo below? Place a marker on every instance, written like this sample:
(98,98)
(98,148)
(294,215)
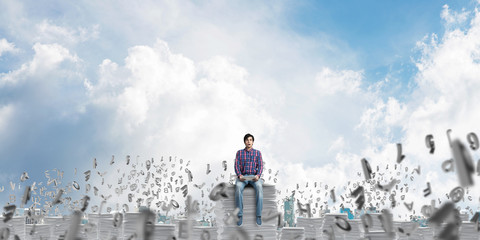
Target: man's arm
(260,165)
(237,165)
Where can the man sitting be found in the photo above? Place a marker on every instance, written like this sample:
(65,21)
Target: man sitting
(249,167)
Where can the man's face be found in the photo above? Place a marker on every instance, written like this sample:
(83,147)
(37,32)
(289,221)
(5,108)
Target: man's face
(249,142)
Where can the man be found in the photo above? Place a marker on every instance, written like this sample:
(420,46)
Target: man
(249,167)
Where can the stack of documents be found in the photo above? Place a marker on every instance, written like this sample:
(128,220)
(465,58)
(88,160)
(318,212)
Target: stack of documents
(312,226)
(17,226)
(464,217)
(226,219)
(380,235)
(11,223)
(165,231)
(330,225)
(59,225)
(130,224)
(204,232)
(377,224)
(356,231)
(376,230)
(409,230)
(425,232)
(288,233)
(468,230)
(37,231)
(106,228)
(93,226)
(183,229)
(82,231)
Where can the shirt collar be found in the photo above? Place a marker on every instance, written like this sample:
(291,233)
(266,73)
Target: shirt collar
(251,150)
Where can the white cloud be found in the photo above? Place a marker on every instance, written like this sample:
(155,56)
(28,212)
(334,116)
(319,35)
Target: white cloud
(318,108)
(445,98)
(108,84)
(330,82)
(395,112)
(47,58)
(160,103)
(454,19)
(6,46)
(259,43)
(171,105)
(377,122)
(48,32)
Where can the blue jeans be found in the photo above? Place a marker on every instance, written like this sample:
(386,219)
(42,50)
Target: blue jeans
(239,186)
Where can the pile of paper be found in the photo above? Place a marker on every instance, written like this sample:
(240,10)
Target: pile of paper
(292,233)
(425,232)
(226,219)
(468,230)
(8,225)
(312,226)
(464,217)
(92,231)
(204,232)
(82,231)
(380,235)
(183,227)
(106,228)
(37,231)
(17,226)
(130,224)
(355,231)
(59,225)
(330,225)
(376,223)
(164,231)
(407,230)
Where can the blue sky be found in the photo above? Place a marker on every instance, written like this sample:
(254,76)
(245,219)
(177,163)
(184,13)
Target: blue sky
(382,34)
(321,84)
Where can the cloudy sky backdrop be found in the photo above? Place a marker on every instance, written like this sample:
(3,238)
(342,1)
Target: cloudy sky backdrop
(320,84)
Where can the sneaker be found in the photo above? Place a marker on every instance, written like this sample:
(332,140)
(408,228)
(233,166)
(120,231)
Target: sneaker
(240,222)
(259,221)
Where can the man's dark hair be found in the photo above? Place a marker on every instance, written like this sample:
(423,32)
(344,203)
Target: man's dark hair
(248,135)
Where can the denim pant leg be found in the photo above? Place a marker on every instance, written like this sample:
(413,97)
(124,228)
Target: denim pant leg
(239,186)
(258,185)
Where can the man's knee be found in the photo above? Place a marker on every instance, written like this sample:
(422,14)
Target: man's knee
(238,186)
(259,184)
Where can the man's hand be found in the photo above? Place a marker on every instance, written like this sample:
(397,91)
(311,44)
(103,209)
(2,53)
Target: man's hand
(256,178)
(241,178)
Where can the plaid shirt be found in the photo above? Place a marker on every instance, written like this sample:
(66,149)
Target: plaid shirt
(248,162)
